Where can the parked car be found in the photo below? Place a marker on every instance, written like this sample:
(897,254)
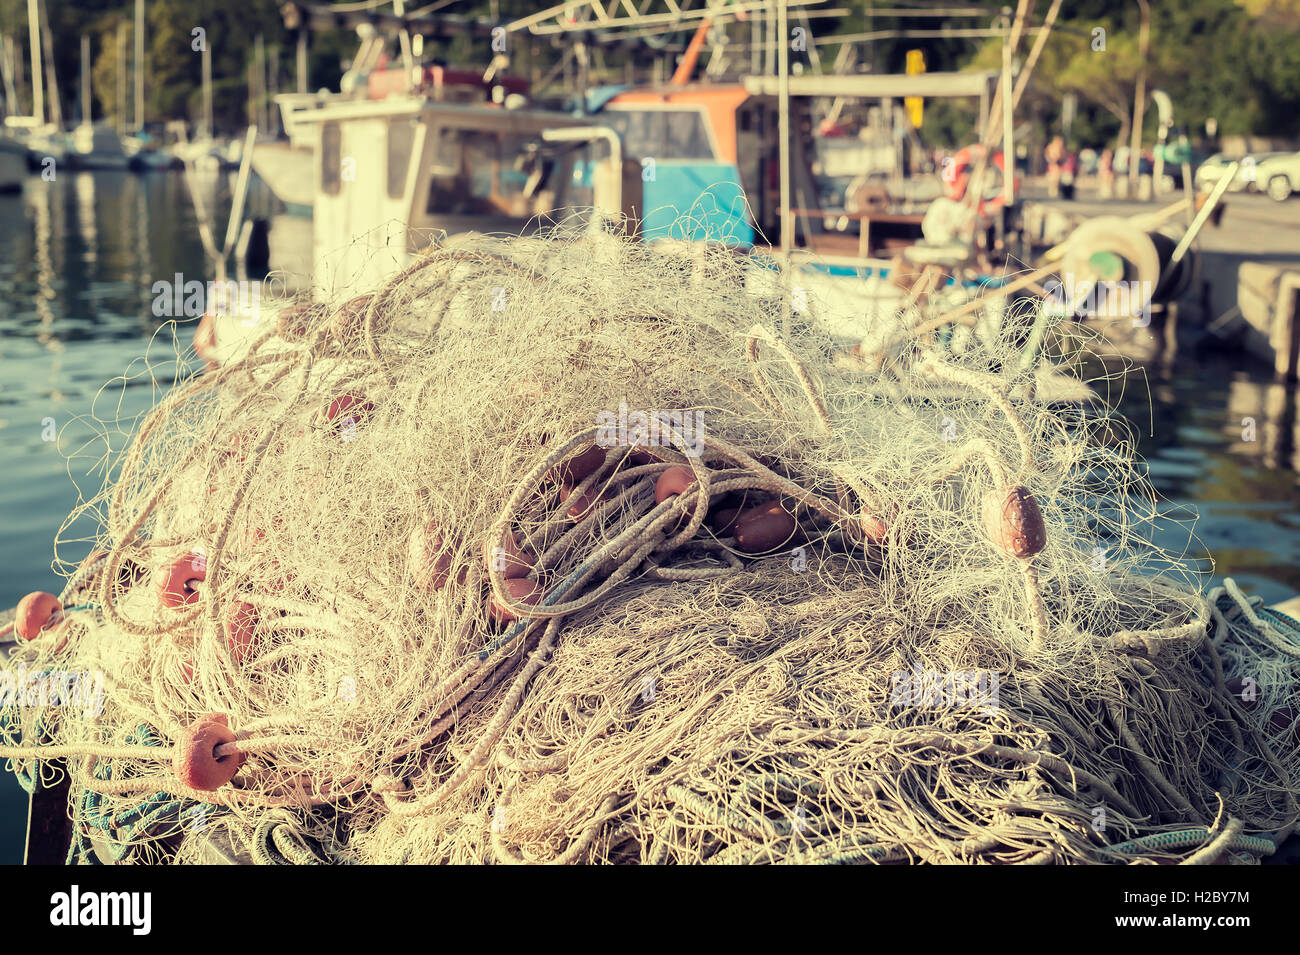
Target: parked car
(1278,176)
(1212,170)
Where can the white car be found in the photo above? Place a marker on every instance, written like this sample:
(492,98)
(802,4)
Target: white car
(1212,170)
(1278,176)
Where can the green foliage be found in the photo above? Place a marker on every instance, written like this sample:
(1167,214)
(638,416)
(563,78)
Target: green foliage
(1235,60)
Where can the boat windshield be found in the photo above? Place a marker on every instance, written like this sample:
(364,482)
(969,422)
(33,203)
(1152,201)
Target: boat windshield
(663,133)
(479,172)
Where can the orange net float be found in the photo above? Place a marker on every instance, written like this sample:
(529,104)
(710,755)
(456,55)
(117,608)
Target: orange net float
(764,528)
(195,760)
(178,583)
(519,590)
(515,562)
(1014,522)
(349,407)
(205,340)
(241,619)
(37,613)
(429,558)
(676,480)
(582,465)
(583,504)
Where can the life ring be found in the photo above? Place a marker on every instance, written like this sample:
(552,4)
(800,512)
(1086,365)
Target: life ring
(958,169)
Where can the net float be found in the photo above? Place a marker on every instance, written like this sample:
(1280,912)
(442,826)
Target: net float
(36,613)
(1014,522)
(205,340)
(722,519)
(512,560)
(429,557)
(349,407)
(240,622)
(582,505)
(195,760)
(572,470)
(520,591)
(179,581)
(1247,694)
(353,311)
(1279,721)
(764,528)
(673,481)
(294,320)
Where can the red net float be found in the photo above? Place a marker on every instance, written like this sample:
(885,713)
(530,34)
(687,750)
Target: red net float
(429,557)
(1014,522)
(582,505)
(36,613)
(512,560)
(572,471)
(673,481)
(195,760)
(240,624)
(205,340)
(519,591)
(764,528)
(178,583)
(349,407)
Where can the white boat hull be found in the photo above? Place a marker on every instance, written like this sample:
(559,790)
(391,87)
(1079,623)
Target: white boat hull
(287,172)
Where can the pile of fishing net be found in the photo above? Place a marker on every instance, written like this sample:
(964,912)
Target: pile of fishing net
(576,550)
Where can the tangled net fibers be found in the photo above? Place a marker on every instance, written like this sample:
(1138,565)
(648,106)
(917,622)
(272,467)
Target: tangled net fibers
(451,572)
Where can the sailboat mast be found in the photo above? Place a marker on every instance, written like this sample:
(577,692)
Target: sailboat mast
(139,66)
(38,81)
(207,92)
(85,79)
(121,76)
(52,80)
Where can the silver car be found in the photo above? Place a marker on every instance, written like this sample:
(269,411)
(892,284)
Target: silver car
(1278,176)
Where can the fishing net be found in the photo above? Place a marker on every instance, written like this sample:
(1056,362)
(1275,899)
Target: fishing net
(579,550)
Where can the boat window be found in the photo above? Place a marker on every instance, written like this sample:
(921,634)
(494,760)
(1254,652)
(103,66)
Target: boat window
(661,133)
(330,162)
(401,139)
(478,173)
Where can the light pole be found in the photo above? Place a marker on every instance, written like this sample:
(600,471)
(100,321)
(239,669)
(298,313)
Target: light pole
(1135,141)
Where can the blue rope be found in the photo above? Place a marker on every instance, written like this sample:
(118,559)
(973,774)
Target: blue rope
(128,826)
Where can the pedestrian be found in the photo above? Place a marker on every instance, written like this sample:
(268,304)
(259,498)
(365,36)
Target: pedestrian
(1106,174)
(1054,154)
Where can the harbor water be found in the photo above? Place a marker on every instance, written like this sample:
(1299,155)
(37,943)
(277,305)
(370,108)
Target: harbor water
(82,343)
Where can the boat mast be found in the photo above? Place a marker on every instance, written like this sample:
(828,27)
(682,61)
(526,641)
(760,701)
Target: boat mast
(121,77)
(206,57)
(56,106)
(85,80)
(38,84)
(138,114)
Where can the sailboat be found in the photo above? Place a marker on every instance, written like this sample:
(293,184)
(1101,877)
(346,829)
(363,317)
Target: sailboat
(94,145)
(41,133)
